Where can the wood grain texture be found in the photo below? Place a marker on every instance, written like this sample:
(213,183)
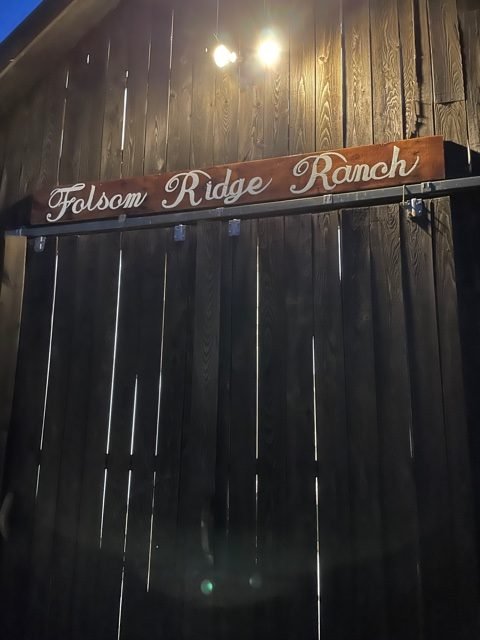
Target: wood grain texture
(226,115)
(203,89)
(158,89)
(470,22)
(302,78)
(334,516)
(406,17)
(369,579)
(53,127)
(227,87)
(457,439)
(180,96)
(369,167)
(15,153)
(83,119)
(446,52)
(252,86)
(399,501)
(358,75)
(386,73)
(429,445)
(451,122)
(115,85)
(277,85)
(329,76)
(137,27)
(424,92)
(25,432)
(33,143)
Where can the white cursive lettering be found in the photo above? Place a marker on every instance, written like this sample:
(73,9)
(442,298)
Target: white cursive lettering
(319,167)
(62,199)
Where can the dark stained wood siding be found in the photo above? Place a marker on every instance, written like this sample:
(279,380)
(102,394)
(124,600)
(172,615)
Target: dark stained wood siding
(140,94)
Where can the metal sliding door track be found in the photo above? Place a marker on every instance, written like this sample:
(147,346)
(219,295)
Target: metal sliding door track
(315,204)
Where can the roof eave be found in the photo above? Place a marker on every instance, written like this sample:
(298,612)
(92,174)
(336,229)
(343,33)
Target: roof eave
(42,40)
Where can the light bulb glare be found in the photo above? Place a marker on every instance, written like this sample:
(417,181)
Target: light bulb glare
(223,56)
(269,52)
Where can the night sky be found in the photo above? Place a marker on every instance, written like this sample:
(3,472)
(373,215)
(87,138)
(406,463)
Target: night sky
(12,13)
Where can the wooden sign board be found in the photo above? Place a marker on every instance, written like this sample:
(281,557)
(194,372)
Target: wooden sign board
(300,176)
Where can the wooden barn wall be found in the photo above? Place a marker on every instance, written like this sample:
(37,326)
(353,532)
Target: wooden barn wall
(141,95)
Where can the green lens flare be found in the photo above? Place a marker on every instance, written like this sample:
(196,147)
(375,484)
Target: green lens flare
(207,587)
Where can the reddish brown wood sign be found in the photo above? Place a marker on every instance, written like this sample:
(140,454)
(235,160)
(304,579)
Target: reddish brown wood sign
(313,174)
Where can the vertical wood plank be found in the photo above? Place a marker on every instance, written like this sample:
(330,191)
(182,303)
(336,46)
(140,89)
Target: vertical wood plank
(446,52)
(197,480)
(203,89)
(74,439)
(470,21)
(24,437)
(104,291)
(148,371)
(180,97)
(241,541)
(429,446)
(225,117)
(387,79)
(271,614)
(15,153)
(83,121)
(465,551)
(466,235)
(33,143)
(51,442)
(358,75)
(399,502)
(158,89)
(13,254)
(113,120)
(164,595)
(406,16)
(53,127)
(301,561)
(362,419)
(142,276)
(334,514)
(329,76)
(251,109)
(424,94)
(277,85)
(302,78)
(137,26)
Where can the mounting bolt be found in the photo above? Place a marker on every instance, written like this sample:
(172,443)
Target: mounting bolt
(39,244)
(234,228)
(180,233)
